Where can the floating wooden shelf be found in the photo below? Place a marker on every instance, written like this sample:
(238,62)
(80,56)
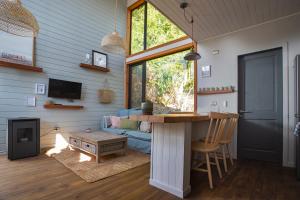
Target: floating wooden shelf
(60,106)
(215,92)
(93,67)
(20,66)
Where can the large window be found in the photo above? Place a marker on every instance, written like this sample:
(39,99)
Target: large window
(149,28)
(166,81)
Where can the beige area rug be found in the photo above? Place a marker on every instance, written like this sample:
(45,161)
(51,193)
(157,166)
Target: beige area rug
(85,166)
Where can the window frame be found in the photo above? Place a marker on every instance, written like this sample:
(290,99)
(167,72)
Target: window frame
(161,53)
(144,78)
(129,31)
(144,64)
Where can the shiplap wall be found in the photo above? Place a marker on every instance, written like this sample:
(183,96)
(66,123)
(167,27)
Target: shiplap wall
(68,30)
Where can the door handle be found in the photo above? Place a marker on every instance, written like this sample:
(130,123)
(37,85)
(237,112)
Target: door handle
(244,111)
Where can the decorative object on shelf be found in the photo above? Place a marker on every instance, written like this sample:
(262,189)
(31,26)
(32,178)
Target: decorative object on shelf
(193,55)
(106,94)
(216,90)
(99,59)
(87,59)
(88,130)
(215,52)
(16,19)
(113,42)
(205,71)
(147,107)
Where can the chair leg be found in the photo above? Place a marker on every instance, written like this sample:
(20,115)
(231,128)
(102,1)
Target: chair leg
(231,160)
(209,171)
(224,158)
(218,165)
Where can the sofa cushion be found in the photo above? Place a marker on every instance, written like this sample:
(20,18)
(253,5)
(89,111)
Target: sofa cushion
(115,131)
(145,127)
(115,122)
(139,145)
(128,124)
(129,133)
(138,135)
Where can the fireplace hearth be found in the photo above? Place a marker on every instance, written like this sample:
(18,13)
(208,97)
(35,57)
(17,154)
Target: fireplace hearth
(23,138)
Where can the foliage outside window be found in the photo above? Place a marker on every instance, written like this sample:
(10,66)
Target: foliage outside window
(136,89)
(169,83)
(137,30)
(158,29)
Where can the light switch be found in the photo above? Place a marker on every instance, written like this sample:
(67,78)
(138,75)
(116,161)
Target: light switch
(31,101)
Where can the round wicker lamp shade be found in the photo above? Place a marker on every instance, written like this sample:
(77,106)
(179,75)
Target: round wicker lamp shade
(16,19)
(113,43)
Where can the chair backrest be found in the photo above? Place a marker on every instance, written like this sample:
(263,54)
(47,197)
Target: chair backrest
(216,127)
(231,125)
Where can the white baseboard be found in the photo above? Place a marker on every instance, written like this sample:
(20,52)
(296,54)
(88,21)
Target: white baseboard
(170,189)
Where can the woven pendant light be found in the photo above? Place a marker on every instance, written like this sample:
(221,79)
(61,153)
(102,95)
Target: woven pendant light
(113,42)
(16,19)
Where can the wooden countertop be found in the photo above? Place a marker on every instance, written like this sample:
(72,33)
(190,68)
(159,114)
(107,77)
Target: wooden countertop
(170,118)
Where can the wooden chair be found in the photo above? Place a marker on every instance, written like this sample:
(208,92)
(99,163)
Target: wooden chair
(227,138)
(211,144)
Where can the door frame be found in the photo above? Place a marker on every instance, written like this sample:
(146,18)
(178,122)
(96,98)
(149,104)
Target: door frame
(288,140)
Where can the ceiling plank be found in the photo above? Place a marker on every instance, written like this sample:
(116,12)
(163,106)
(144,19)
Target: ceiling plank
(218,17)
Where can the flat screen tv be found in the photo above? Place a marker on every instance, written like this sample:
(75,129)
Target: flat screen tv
(64,89)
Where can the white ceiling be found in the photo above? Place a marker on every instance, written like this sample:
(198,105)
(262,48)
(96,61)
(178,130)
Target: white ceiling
(217,17)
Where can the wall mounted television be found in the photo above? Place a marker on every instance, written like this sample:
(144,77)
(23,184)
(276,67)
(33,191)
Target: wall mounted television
(64,89)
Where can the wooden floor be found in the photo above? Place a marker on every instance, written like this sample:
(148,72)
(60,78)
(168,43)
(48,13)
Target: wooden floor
(45,178)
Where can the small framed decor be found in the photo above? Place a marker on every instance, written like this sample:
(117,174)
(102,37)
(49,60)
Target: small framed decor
(99,59)
(40,88)
(205,71)
(17,49)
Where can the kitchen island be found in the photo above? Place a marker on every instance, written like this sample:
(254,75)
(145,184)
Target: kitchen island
(171,150)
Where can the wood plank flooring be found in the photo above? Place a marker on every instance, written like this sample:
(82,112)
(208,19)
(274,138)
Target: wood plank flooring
(44,178)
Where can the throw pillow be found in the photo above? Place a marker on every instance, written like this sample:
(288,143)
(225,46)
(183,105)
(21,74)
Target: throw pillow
(115,121)
(128,124)
(146,127)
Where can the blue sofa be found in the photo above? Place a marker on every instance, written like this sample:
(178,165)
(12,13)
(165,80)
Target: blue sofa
(137,140)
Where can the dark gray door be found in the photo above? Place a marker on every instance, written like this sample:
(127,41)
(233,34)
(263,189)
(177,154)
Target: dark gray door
(260,106)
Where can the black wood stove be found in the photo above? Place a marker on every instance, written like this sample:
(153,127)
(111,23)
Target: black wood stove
(23,138)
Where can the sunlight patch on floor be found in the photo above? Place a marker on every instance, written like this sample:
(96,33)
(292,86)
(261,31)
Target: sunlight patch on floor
(60,144)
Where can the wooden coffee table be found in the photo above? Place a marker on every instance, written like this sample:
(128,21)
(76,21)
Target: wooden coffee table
(99,143)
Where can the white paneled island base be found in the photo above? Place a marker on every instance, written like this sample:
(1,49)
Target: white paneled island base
(171,157)
(171,151)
